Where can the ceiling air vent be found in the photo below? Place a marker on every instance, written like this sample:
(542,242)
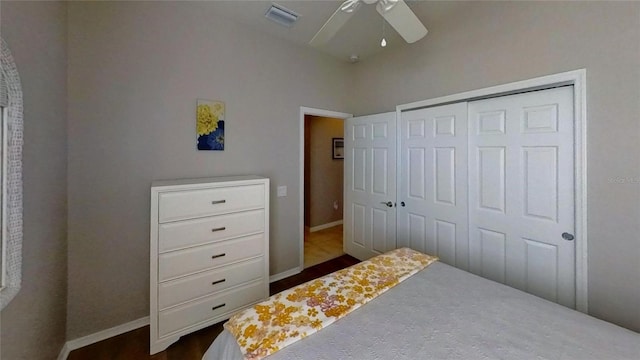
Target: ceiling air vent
(281,15)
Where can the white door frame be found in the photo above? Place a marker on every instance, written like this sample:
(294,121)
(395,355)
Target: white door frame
(577,78)
(315,112)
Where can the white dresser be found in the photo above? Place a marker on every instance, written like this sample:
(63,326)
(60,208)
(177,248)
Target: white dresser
(209,252)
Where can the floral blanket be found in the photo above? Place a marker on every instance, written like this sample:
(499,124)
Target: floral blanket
(303,310)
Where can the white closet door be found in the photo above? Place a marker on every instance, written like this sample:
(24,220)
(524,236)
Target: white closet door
(521,192)
(370,185)
(433,188)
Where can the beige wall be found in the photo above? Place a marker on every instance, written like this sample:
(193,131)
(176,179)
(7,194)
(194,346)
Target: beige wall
(489,43)
(135,72)
(33,324)
(325,173)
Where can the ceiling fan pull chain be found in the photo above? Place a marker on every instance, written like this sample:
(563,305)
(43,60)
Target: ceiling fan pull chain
(383,43)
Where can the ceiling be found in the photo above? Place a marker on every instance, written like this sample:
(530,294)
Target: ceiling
(361,35)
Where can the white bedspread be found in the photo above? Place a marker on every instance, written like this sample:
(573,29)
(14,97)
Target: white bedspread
(446,313)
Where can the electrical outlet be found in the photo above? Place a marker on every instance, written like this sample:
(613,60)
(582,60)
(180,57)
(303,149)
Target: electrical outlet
(282,191)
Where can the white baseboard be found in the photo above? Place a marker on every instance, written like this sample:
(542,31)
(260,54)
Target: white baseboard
(325,226)
(64,352)
(78,343)
(285,274)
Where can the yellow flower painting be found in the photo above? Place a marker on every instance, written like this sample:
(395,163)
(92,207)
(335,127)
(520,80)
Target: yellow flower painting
(210,116)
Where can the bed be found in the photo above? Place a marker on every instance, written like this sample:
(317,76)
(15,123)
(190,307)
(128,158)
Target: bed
(442,312)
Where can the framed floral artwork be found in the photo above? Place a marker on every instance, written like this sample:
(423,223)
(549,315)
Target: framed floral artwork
(210,124)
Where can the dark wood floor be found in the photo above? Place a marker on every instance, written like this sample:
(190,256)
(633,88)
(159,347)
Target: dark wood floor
(134,345)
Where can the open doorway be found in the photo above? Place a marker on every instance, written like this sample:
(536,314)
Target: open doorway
(323,188)
(322,185)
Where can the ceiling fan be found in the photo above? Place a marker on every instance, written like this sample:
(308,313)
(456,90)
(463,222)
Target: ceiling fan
(395,12)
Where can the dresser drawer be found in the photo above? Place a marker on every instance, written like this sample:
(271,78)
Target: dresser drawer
(184,262)
(190,314)
(174,292)
(179,205)
(181,234)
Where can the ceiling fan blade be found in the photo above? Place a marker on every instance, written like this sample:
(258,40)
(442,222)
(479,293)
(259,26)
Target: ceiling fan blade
(403,20)
(335,22)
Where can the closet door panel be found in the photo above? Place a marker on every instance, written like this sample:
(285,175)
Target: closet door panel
(521,186)
(433,188)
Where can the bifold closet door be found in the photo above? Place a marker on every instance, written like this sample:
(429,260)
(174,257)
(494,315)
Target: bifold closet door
(521,192)
(370,185)
(432,190)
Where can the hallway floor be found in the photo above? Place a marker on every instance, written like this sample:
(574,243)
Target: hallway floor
(323,245)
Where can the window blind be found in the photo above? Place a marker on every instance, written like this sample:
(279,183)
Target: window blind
(4,98)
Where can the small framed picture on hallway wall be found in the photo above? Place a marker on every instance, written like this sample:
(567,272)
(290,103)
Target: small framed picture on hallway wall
(338,148)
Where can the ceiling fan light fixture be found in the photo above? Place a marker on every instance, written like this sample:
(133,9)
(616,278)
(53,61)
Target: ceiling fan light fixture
(386,5)
(350,6)
(281,15)
(395,12)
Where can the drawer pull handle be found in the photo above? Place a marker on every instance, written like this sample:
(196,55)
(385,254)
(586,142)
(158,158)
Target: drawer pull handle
(219,255)
(218,281)
(218,229)
(218,307)
(214,202)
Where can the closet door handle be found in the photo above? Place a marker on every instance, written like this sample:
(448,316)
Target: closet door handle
(217,256)
(218,281)
(388,203)
(218,229)
(214,202)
